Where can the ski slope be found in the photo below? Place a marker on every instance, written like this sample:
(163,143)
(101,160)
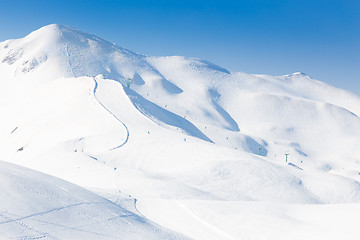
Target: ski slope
(199,147)
(38,206)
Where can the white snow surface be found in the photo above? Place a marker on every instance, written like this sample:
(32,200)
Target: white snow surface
(200,148)
(39,206)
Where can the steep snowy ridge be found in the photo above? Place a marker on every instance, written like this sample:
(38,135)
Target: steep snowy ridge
(193,143)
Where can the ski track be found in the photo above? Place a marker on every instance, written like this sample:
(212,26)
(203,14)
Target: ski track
(127,130)
(203,222)
(69,60)
(49,211)
(78,227)
(63,227)
(24,225)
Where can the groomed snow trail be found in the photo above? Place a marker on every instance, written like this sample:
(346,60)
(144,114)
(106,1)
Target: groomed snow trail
(123,124)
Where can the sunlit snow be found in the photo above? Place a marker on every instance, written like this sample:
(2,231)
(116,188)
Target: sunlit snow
(169,147)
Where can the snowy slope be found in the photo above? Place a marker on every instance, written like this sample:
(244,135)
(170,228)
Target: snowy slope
(38,206)
(255,220)
(184,133)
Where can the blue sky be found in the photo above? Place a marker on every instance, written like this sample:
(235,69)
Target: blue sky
(318,37)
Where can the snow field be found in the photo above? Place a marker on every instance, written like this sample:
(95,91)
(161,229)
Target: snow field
(196,148)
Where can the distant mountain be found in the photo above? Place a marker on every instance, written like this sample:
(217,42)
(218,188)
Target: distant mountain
(88,111)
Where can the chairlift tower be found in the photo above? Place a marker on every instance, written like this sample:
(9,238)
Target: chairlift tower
(128,82)
(286,156)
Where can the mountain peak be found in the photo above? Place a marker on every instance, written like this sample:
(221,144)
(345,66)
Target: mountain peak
(53,26)
(49,31)
(61,45)
(59,32)
(297,75)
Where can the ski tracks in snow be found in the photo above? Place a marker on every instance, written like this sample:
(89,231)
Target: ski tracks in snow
(127,130)
(38,234)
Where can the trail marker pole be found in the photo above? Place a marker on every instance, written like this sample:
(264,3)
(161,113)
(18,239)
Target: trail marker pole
(286,155)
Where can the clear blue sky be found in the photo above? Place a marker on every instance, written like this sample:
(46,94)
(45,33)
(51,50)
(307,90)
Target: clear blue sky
(318,37)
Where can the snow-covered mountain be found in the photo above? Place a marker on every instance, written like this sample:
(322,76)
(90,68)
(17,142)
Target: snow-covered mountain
(198,146)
